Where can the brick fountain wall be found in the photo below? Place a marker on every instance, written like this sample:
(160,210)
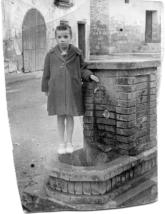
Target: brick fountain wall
(121,109)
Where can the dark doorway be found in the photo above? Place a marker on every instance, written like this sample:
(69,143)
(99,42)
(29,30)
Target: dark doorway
(33,41)
(81,37)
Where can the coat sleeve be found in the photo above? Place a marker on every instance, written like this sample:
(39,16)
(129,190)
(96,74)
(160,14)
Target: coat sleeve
(85,73)
(46,74)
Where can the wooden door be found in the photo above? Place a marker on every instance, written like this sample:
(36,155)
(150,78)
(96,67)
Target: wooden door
(81,38)
(33,41)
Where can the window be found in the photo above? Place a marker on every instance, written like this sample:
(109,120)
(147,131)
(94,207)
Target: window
(63,3)
(152,32)
(64,22)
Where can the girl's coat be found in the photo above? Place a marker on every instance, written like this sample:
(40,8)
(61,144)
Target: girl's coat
(62,79)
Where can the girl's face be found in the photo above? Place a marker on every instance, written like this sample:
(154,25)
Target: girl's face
(63,38)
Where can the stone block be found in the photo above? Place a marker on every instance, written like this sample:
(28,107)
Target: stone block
(108,185)
(78,188)
(86,188)
(71,187)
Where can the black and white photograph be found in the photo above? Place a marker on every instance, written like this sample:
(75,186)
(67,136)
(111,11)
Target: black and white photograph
(82,84)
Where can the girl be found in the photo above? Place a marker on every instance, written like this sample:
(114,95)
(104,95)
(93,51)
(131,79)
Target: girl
(64,70)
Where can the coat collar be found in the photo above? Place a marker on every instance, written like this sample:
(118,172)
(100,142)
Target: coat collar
(72,52)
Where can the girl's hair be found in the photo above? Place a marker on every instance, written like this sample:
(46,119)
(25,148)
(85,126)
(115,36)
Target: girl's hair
(63,27)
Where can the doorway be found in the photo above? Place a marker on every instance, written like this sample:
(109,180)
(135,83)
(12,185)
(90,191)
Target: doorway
(33,41)
(81,37)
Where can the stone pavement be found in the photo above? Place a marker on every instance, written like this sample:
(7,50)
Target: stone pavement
(33,132)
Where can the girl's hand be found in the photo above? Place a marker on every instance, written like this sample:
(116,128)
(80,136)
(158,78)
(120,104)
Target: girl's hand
(94,78)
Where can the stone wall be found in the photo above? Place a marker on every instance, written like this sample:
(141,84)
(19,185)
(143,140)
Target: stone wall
(121,110)
(124,27)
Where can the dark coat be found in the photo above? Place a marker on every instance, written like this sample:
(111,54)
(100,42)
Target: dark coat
(62,79)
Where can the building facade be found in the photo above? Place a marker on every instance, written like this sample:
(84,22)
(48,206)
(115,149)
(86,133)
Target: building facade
(100,27)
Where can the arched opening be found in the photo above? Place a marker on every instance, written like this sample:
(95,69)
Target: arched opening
(33,41)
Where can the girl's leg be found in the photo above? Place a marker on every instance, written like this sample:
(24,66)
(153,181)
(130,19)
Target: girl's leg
(61,131)
(69,131)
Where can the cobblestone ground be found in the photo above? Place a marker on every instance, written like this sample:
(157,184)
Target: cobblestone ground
(34,133)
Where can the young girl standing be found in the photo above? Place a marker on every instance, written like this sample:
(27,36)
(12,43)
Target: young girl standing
(64,70)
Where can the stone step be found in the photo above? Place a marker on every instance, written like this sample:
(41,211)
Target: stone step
(34,198)
(133,192)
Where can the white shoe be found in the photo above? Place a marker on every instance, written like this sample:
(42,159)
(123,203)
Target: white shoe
(69,148)
(61,149)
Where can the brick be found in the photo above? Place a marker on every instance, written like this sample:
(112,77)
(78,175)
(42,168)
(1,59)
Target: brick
(89,119)
(126,96)
(89,106)
(142,107)
(71,187)
(126,132)
(126,117)
(89,133)
(101,127)
(109,128)
(153,91)
(142,92)
(106,121)
(153,84)
(125,80)
(88,100)
(141,86)
(153,97)
(122,110)
(124,124)
(142,99)
(153,77)
(126,89)
(124,146)
(126,139)
(126,103)
(89,113)
(89,126)
(78,188)
(141,79)
(109,141)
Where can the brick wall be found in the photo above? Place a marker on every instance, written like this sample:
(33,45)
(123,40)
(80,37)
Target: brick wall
(121,110)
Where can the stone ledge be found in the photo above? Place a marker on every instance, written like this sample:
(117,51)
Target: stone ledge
(97,173)
(124,64)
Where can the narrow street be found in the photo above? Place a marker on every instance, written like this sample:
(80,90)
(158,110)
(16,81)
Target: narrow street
(34,133)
